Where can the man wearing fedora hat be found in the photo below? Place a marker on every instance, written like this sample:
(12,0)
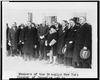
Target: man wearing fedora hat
(83,41)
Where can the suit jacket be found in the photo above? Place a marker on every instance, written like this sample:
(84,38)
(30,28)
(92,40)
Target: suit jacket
(83,38)
(61,40)
(29,34)
(42,31)
(70,37)
(12,36)
(30,40)
(21,35)
(7,46)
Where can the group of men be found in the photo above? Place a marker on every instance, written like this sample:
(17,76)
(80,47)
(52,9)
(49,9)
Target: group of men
(33,41)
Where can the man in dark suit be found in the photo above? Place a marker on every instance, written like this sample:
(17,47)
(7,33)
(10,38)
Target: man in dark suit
(12,37)
(42,34)
(62,33)
(29,39)
(70,39)
(7,46)
(83,41)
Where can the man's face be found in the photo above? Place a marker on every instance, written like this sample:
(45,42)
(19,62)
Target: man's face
(71,23)
(81,20)
(56,25)
(43,22)
(22,27)
(29,23)
(15,23)
(63,23)
(33,25)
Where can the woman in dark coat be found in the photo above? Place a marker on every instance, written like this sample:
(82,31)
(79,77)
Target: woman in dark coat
(83,41)
(62,32)
(29,42)
(68,56)
(52,42)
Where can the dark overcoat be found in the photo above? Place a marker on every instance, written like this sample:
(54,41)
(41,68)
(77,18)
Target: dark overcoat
(7,46)
(29,40)
(83,38)
(70,46)
(61,40)
(20,37)
(12,36)
(50,37)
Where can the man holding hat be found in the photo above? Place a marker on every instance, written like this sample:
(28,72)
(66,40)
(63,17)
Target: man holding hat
(83,42)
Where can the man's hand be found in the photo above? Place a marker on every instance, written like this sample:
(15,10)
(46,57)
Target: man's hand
(49,44)
(46,43)
(22,42)
(9,43)
(70,42)
(65,45)
(84,47)
(35,46)
(41,37)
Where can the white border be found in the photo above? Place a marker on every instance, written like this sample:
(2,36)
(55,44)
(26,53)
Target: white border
(89,7)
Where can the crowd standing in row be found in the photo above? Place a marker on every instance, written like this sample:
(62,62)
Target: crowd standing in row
(43,41)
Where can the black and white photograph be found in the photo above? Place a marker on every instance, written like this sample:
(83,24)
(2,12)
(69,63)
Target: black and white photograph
(49,40)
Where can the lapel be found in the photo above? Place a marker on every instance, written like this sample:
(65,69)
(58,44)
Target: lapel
(80,29)
(13,30)
(71,30)
(43,28)
(29,30)
(62,31)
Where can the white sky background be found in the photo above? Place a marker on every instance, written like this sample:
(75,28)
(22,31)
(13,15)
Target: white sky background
(18,12)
